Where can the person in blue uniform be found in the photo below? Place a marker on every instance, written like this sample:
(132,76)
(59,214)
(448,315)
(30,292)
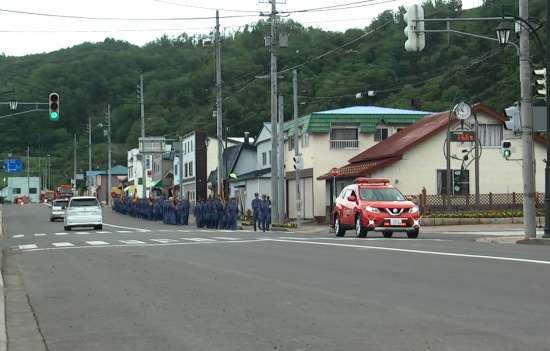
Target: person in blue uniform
(265,210)
(269,201)
(197,211)
(218,209)
(185,214)
(232,210)
(256,211)
(179,212)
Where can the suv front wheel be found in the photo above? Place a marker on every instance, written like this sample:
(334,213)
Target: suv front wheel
(338,230)
(360,229)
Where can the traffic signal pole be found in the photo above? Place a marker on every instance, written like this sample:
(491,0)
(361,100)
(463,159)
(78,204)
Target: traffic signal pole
(547,168)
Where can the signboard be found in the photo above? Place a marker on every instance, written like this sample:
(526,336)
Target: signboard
(463,136)
(334,172)
(80,176)
(13,165)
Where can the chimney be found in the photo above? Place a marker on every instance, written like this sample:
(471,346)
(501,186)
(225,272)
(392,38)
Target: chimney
(416,104)
(246,138)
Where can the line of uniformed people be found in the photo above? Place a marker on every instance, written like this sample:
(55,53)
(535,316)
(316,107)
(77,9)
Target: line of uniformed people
(210,213)
(261,211)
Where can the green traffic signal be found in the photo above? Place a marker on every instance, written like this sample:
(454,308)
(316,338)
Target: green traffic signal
(54,115)
(506,153)
(54,106)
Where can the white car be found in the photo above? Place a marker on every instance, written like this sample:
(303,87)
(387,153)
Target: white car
(83,211)
(58,209)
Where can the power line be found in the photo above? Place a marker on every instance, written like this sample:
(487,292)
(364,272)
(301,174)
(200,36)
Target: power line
(353,5)
(204,8)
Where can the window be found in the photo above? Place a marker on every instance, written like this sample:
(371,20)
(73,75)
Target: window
(17,190)
(490,134)
(176,171)
(380,134)
(291,143)
(305,139)
(185,172)
(85,202)
(191,168)
(32,191)
(344,138)
(398,129)
(269,162)
(460,183)
(264,158)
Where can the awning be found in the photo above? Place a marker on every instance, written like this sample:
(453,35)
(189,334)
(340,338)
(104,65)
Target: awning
(130,187)
(154,183)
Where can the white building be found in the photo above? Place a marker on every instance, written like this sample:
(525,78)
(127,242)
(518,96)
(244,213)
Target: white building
(18,186)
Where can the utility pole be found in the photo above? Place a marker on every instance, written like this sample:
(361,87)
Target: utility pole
(28,171)
(39,172)
(296,149)
(74,164)
(109,186)
(281,164)
(219,126)
(274,93)
(547,167)
(143,165)
(529,214)
(89,157)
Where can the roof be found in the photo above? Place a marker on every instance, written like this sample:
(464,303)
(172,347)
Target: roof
(119,170)
(392,149)
(230,157)
(367,117)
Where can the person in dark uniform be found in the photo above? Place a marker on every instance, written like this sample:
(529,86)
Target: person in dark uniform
(232,210)
(265,210)
(256,211)
(185,214)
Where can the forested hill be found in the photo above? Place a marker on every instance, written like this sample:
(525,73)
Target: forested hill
(180,76)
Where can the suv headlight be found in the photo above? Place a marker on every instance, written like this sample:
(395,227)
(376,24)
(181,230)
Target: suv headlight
(413,209)
(372,209)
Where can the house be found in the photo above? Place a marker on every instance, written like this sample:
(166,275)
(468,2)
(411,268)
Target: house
(139,167)
(18,186)
(329,139)
(192,160)
(118,174)
(414,158)
(247,167)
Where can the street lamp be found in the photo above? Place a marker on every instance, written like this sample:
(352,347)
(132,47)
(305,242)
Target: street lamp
(13,101)
(503,33)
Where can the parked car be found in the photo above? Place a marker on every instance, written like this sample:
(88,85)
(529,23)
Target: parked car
(372,204)
(83,211)
(20,200)
(57,209)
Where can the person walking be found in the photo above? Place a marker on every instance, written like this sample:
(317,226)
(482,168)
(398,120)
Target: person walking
(256,210)
(265,213)
(232,210)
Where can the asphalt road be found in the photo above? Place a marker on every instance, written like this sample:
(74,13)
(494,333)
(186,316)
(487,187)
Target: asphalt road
(139,285)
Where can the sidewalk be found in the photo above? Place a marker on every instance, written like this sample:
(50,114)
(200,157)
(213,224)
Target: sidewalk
(3,332)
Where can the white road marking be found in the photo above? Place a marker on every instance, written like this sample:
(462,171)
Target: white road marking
(40,234)
(63,244)
(61,233)
(18,236)
(123,231)
(102,232)
(437,253)
(97,242)
(165,241)
(165,230)
(199,239)
(182,230)
(225,238)
(26,247)
(292,238)
(131,228)
(132,242)
(82,233)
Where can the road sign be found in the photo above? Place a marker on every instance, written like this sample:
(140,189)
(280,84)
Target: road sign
(13,165)
(463,135)
(334,172)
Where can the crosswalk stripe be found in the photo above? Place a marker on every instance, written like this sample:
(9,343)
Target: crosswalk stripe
(184,230)
(82,233)
(97,242)
(225,238)
(198,239)
(29,246)
(165,241)
(131,242)
(40,234)
(103,232)
(123,231)
(18,236)
(61,233)
(63,244)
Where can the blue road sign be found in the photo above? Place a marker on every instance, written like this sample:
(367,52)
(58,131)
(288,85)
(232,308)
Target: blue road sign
(13,165)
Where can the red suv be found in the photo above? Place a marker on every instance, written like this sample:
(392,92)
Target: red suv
(372,204)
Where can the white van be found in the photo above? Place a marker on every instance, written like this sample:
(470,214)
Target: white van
(83,211)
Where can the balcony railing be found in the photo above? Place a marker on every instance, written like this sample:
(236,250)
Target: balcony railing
(344,144)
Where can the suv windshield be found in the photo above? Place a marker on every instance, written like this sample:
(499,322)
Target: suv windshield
(84,203)
(60,203)
(382,194)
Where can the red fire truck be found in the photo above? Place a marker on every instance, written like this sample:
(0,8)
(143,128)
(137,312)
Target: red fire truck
(47,196)
(64,191)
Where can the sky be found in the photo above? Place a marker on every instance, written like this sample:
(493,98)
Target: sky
(38,26)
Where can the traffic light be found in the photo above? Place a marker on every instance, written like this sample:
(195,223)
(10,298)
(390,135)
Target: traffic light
(414,31)
(541,81)
(54,106)
(457,181)
(514,115)
(298,162)
(506,148)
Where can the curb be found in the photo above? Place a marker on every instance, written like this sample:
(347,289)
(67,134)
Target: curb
(430,221)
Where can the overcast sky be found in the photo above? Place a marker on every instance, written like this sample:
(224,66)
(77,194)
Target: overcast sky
(37,26)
